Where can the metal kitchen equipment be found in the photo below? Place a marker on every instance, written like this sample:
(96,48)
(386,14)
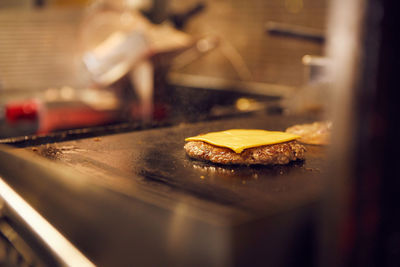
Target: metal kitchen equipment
(146,203)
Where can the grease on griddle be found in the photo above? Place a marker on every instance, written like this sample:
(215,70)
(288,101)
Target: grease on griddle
(49,151)
(54,152)
(237,174)
(313,169)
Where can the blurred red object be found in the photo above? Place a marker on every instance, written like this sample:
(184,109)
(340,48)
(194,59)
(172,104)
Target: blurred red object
(22,110)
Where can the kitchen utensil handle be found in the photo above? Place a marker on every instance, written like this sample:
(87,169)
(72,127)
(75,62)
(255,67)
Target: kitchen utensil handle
(294,31)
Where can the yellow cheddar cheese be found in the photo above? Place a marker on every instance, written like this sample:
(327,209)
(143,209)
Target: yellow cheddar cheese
(240,139)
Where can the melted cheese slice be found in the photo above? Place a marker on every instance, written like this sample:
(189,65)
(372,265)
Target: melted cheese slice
(240,139)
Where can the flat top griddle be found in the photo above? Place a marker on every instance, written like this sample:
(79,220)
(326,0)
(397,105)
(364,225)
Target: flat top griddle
(156,158)
(127,186)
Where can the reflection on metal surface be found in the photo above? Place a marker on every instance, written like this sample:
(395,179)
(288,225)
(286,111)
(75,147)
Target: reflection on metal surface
(180,227)
(57,243)
(238,174)
(177,227)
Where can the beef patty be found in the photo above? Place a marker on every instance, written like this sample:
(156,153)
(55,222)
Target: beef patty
(281,153)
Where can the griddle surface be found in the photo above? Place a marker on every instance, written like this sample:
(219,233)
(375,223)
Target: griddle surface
(155,162)
(137,199)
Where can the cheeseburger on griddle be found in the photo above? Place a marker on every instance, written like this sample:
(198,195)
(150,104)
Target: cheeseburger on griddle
(245,147)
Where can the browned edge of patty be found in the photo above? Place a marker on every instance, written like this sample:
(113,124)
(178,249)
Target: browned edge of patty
(281,153)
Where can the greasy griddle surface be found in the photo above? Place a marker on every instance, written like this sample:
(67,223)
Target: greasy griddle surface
(155,161)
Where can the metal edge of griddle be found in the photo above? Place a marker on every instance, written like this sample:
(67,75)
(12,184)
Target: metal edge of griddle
(36,233)
(73,134)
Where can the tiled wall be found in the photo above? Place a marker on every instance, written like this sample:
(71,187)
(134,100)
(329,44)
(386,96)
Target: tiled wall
(38,49)
(241,24)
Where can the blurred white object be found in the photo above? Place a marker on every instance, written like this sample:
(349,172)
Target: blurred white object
(115,40)
(142,79)
(116,56)
(118,41)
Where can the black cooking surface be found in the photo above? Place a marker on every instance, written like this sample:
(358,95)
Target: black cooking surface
(155,158)
(123,198)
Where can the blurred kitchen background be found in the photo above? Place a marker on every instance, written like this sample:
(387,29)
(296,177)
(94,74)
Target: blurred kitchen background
(202,59)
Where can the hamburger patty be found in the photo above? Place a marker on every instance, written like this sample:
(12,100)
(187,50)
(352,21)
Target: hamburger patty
(281,153)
